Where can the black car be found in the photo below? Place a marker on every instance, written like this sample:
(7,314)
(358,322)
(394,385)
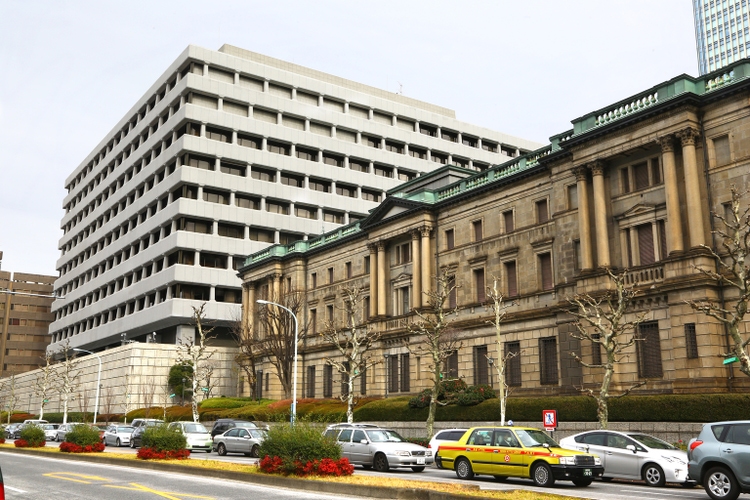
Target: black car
(136,439)
(224,424)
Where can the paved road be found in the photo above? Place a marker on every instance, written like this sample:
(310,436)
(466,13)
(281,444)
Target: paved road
(43,478)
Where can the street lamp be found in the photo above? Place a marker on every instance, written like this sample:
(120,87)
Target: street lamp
(183,390)
(491,362)
(294,369)
(386,374)
(98,380)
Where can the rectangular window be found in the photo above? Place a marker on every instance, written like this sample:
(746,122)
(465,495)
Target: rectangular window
(373,142)
(645,244)
(277,207)
(512,353)
(625,180)
(450,367)
(279,148)
(314,280)
(249,141)
(319,185)
(218,134)
(721,150)
(508,221)
(359,166)
(345,379)
(247,202)
(306,154)
(452,299)
(548,361)
(216,196)
(655,171)
(480,292)
(394,147)
(343,190)
(403,305)
(335,217)
(330,275)
(327,381)
(405,378)
(512,280)
(392,366)
(232,168)
(477,227)
(262,174)
(542,214)
(310,381)
(384,171)
(363,380)
(305,212)
(596,350)
(449,239)
(545,271)
(403,253)
(262,235)
(640,174)
(648,349)
(329,313)
(348,268)
(231,230)
(213,260)
(572,196)
(370,195)
(481,365)
(691,342)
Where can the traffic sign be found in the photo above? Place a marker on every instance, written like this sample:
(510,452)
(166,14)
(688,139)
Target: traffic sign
(549,417)
(204,389)
(730,360)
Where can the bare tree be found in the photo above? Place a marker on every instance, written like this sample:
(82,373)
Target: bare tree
(601,320)
(249,352)
(126,401)
(108,401)
(149,393)
(83,403)
(352,340)
(499,307)
(166,396)
(67,378)
(10,393)
(196,353)
(43,383)
(438,340)
(733,273)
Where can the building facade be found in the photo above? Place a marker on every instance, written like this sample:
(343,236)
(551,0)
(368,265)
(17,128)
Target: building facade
(228,152)
(722,33)
(25,317)
(631,187)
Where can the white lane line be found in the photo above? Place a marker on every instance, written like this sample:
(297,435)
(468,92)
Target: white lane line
(15,489)
(654,493)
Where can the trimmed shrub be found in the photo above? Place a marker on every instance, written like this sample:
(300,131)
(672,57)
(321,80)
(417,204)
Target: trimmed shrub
(324,467)
(225,403)
(161,438)
(153,454)
(33,435)
(83,435)
(67,447)
(475,394)
(297,445)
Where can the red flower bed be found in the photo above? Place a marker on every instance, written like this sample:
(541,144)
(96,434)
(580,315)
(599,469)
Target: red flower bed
(2,440)
(324,467)
(153,454)
(22,443)
(76,448)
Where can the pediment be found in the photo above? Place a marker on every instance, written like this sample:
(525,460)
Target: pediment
(638,210)
(390,208)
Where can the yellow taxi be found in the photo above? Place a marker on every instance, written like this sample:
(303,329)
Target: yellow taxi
(524,452)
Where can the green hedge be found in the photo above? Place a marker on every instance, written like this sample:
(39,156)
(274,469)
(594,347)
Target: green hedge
(225,403)
(82,435)
(161,438)
(34,435)
(299,443)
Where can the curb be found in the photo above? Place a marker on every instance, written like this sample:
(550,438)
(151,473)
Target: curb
(261,479)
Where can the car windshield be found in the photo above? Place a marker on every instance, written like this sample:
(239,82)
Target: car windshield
(125,429)
(195,428)
(652,442)
(383,436)
(257,433)
(532,437)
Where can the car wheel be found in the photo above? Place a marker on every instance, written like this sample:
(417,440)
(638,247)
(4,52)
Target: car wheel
(221,449)
(720,484)
(582,482)
(118,443)
(380,462)
(653,475)
(132,443)
(418,469)
(255,451)
(542,475)
(463,469)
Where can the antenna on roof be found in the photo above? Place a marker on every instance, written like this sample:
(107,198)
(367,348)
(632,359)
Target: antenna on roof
(400,88)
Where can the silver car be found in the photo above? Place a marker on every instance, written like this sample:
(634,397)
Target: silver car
(196,435)
(381,449)
(720,459)
(633,455)
(118,435)
(63,430)
(239,440)
(50,431)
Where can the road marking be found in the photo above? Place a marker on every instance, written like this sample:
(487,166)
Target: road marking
(654,493)
(164,494)
(15,489)
(64,475)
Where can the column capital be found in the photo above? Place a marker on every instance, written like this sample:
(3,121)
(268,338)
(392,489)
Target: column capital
(425,231)
(688,136)
(372,247)
(381,245)
(415,234)
(249,285)
(581,172)
(666,142)
(597,167)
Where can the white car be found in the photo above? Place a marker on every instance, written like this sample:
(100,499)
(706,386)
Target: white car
(50,431)
(633,455)
(118,435)
(444,436)
(196,435)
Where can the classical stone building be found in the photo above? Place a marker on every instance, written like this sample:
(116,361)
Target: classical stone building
(632,187)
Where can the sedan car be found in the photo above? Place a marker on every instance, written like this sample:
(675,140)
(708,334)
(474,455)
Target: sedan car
(50,431)
(196,435)
(239,440)
(517,452)
(118,435)
(378,448)
(633,455)
(63,430)
(10,430)
(136,439)
(719,459)
(444,436)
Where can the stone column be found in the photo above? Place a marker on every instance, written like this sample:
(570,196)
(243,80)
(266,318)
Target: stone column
(248,305)
(416,266)
(426,264)
(692,187)
(373,279)
(674,218)
(382,274)
(600,215)
(584,221)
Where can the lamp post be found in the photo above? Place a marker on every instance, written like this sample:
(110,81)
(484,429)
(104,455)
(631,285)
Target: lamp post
(386,374)
(491,362)
(98,380)
(183,390)
(294,369)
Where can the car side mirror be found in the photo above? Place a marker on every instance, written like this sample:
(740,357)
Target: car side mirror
(630,447)
(364,441)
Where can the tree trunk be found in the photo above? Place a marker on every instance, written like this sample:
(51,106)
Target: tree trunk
(350,401)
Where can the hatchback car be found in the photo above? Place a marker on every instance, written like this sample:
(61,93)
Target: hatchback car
(374,447)
(633,455)
(196,435)
(444,436)
(118,435)
(517,452)
(719,459)
(245,440)
(50,431)
(224,424)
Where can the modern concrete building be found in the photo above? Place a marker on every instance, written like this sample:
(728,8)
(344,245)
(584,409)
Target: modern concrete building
(25,316)
(722,33)
(230,151)
(631,187)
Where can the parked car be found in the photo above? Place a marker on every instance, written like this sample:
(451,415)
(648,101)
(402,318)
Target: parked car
(101,428)
(444,436)
(50,431)
(517,452)
(239,439)
(137,422)
(719,459)
(374,447)
(10,430)
(136,438)
(224,424)
(196,435)
(119,435)
(63,430)
(17,432)
(633,455)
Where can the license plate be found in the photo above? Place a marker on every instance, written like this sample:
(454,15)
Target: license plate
(420,461)
(586,472)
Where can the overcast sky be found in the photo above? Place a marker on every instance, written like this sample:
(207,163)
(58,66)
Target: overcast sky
(69,70)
